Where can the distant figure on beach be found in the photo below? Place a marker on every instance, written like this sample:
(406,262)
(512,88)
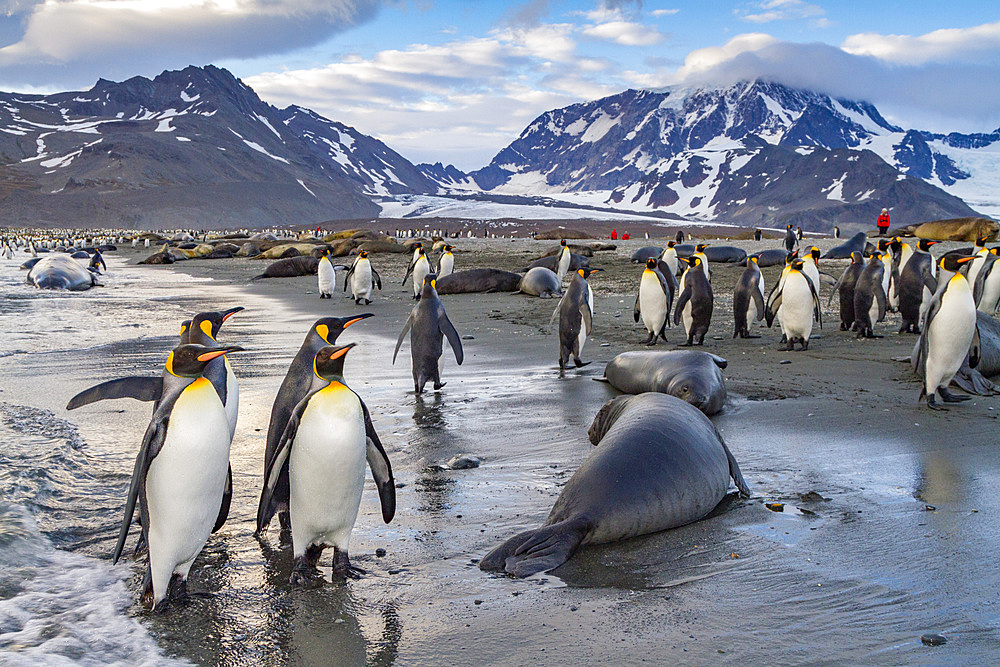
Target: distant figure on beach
(883,222)
(614,234)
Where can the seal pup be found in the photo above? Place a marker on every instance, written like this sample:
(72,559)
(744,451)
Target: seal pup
(363,279)
(858,242)
(61,272)
(694,305)
(576,313)
(950,334)
(294,387)
(748,299)
(428,325)
(180,473)
(653,302)
(798,302)
(321,455)
(540,282)
(420,268)
(659,464)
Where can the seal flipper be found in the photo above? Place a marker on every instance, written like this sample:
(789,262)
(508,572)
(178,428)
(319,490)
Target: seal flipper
(140,388)
(538,550)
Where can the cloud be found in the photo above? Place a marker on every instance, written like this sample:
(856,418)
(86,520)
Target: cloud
(526,15)
(782,10)
(626,33)
(979,43)
(66,40)
(664,12)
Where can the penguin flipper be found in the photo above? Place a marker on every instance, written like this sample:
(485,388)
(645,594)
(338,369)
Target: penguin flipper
(772,307)
(817,309)
(758,300)
(977,290)
(227,500)
(588,318)
(140,388)
(347,278)
(976,349)
(378,462)
(152,441)
(377,279)
(448,329)
(635,309)
(681,302)
(274,467)
(409,270)
(880,297)
(402,334)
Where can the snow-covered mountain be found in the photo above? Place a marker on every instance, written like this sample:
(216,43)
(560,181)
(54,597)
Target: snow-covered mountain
(756,153)
(194,147)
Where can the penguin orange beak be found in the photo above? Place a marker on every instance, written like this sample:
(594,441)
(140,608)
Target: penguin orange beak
(226,314)
(342,351)
(964,259)
(363,316)
(215,354)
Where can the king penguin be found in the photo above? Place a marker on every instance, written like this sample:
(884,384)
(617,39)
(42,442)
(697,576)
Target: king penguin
(180,472)
(565,258)
(296,385)
(653,302)
(694,305)
(428,325)
(321,456)
(446,263)
(950,334)
(326,276)
(748,299)
(845,290)
(870,300)
(363,279)
(799,304)
(576,314)
(917,284)
(669,257)
(420,268)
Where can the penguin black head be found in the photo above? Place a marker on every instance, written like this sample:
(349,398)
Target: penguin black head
(752,258)
(982,241)
(430,285)
(363,254)
(185,325)
(651,263)
(953,263)
(925,244)
(797,265)
(857,257)
(700,247)
(449,248)
(328,363)
(671,244)
(562,242)
(882,245)
(814,251)
(210,322)
(189,360)
(420,250)
(791,257)
(585,271)
(329,328)
(418,245)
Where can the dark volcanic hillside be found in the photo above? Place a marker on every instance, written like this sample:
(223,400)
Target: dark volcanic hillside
(190,148)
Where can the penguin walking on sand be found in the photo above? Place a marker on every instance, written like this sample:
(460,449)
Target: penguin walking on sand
(321,456)
(420,268)
(326,276)
(363,279)
(97,263)
(757,234)
(576,314)
(180,473)
(294,387)
(917,284)
(790,240)
(565,259)
(748,299)
(845,290)
(950,334)
(694,305)
(870,300)
(446,263)
(428,325)
(653,302)
(799,304)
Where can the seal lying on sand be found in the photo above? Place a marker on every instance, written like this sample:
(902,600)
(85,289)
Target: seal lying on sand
(692,376)
(856,243)
(61,272)
(552,262)
(478,280)
(541,282)
(659,464)
(765,258)
(953,229)
(291,267)
(725,254)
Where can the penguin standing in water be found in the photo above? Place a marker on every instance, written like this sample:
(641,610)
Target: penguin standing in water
(363,279)
(790,240)
(799,304)
(446,263)
(694,305)
(845,290)
(870,300)
(748,299)
(202,331)
(950,334)
(420,268)
(565,259)
(321,457)
(917,284)
(180,472)
(653,302)
(428,325)
(296,385)
(326,276)
(576,314)
(669,258)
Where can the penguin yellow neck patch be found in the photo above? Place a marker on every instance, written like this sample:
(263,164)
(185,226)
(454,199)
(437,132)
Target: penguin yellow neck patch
(206,328)
(170,364)
(323,331)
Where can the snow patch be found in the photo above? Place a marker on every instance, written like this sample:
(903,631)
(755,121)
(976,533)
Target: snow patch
(261,149)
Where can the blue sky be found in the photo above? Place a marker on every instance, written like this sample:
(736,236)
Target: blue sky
(456,80)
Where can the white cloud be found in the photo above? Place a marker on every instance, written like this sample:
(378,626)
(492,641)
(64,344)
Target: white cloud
(979,43)
(626,33)
(664,12)
(782,10)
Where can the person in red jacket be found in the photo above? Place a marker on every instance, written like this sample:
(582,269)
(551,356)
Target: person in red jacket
(883,222)
(614,234)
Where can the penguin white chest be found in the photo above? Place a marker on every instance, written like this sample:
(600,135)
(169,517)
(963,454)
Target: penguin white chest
(420,271)
(361,280)
(326,469)
(446,265)
(950,334)
(185,482)
(326,277)
(564,261)
(669,256)
(652,302)
(581,337)
(752,307)
(796,307)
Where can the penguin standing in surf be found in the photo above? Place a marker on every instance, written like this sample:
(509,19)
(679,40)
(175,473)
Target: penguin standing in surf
(694,305)
(799,304)
(428,325)
(420,268)
(748,299)
(653,302)
(950,335)
(321,456)
(180,472)
(576,314)
(363,279)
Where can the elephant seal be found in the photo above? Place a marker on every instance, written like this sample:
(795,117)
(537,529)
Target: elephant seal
(692,376)
(642,254)
(765,258)
(61,272)
(478,280)
(283,251)
(856,243)
(541,282)
(953,229)
(31,262)
(659,464)
(725,254)
(291,267)
(552,262)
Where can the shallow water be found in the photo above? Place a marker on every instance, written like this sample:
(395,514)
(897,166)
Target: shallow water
(855,574)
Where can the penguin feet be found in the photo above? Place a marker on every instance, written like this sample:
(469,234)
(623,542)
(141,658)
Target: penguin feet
(305,573)
(342,566)
(177,588)
(933,404)
(805,345)
(439,385)
(650,340)
(845,327)
(368,302)
(949,397)
(580,364)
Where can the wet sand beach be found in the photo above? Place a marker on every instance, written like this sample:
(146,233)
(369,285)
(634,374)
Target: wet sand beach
(888,531)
